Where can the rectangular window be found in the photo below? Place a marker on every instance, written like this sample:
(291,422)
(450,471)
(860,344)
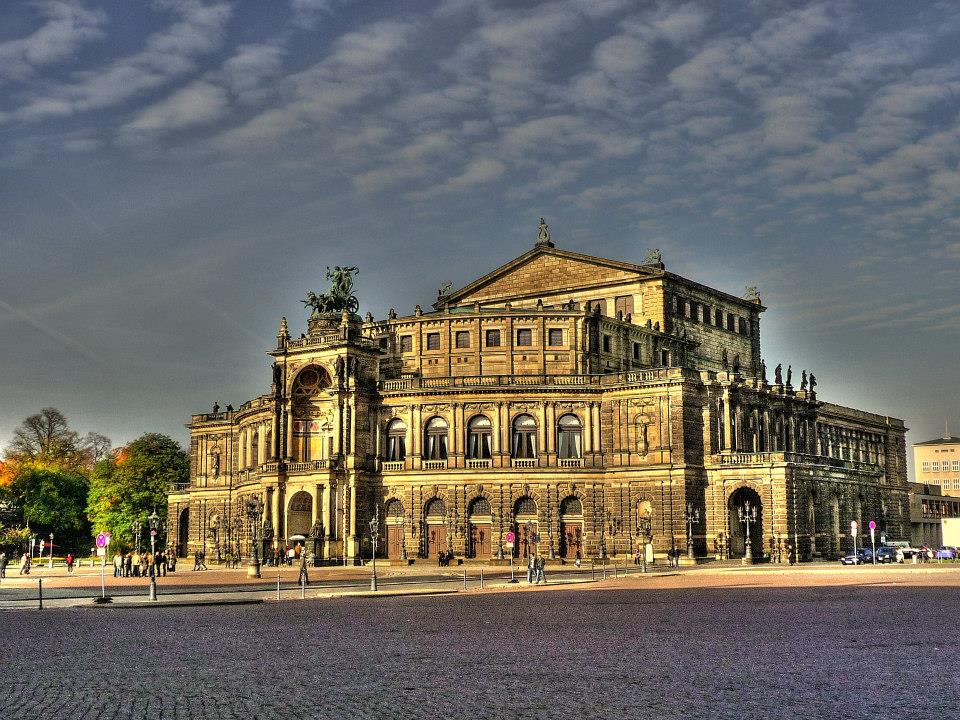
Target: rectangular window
(406,343)
(706,314)
(956,465)
(743,326)
(731,323)
(463,338)
(594,304)
(433,341)
(624,304)
(493,338)
(606,343)
(524,338)
(555,337)
(936,466)
(636,351)
(718,318)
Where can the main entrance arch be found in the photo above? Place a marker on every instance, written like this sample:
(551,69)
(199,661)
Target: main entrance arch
(183,532)
(481,522)
(525,527)
(738,540)
(299,517)
(435,518)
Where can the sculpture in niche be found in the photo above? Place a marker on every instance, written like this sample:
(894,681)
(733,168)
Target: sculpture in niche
(215,463)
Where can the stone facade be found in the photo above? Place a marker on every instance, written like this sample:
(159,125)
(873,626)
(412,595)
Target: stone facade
(582,403)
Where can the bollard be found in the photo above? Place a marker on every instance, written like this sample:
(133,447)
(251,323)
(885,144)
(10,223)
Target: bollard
(40,591)
(604,568)
(303,587)
(593,570)
(278,586)
(464,578)
(481,578)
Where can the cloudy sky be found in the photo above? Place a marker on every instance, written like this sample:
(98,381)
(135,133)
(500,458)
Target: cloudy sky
(175,174)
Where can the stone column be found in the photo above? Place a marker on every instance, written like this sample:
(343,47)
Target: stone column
(727,430)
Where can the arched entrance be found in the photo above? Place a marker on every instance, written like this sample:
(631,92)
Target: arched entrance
(434,518)
(299,518)
(183,532)
(481,520)
(738,500)
(394,515)
(571,528)
(525,527)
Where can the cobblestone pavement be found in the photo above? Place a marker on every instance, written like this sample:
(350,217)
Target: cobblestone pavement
(823,652)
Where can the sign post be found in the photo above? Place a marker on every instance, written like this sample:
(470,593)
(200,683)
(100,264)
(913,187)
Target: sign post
(873,540)
(103,542)
(853,534)
(509,538)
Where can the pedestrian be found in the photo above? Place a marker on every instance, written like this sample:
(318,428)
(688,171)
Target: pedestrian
(636,557)
(578,559)
(173,562)
(791,557)
(196,561)
(539,564)
(203,559)
(117,564)
(290,553)
(135,563)
(146,560)
(531,568)
(3,565)
(25,564)
(69,562)
(128,565)
(303,570)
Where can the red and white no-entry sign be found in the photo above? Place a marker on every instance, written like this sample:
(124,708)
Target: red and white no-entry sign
(101,540)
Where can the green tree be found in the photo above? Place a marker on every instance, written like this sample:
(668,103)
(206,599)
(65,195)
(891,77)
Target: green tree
(53,500)
(129,486)
(47,438)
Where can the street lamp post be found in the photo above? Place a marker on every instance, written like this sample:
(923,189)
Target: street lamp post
(136,528)
(374,534)
(50,565)
(254,513)
(154,521)
(692,517)
(643,530)
(748,514)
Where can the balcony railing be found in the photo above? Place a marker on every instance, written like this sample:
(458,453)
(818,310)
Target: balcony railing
(478,464)
(570,462)
(524,462)
(392,466)
(766,458)
(434,464)
(468,381)
(299,467)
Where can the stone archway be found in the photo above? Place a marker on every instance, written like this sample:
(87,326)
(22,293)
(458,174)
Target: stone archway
(738,540)
(299,517)
(183,532)
(571,528)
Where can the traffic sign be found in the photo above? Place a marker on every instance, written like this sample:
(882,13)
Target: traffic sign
(153,533)
(510,537)
(853,528)
(101,540)
(872,525)
(508,545)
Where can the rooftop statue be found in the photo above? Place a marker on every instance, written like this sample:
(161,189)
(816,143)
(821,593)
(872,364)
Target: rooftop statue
(654,256)
(341,295)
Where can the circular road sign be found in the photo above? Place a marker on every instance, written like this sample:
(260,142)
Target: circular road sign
(101,540)
(153,533)
(510,537)
(853,524)
(872,525)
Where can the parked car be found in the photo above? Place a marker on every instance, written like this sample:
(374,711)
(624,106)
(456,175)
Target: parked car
(888,554)
(862,556)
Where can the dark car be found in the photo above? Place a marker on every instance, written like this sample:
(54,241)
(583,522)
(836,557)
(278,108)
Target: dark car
(863,556)
(888,554)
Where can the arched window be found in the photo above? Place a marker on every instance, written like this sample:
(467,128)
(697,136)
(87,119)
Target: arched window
(394,509)
(310,382)
(479,432)
(435,509)
(571,507)
(479,507)
(525,507)
(396,440)
(569,437)
(524,437)
(435,440)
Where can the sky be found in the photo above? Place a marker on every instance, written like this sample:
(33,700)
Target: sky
(176,174)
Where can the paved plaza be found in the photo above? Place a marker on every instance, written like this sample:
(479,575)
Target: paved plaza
(879,647)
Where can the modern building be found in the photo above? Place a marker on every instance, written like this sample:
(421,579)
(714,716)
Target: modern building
(937,462)
(931,513)
(590,406)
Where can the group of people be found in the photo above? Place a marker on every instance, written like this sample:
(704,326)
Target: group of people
(444,558)
(137,564)
(535,569)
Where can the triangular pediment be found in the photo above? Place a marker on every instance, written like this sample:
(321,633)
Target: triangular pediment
(546,271)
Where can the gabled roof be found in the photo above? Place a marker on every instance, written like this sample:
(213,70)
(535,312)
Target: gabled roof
(542,250)
(949,440)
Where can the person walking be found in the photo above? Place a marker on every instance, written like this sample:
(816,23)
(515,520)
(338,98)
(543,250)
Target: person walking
(531,568)
(135,563)
(303,570)
(25,564)
(128,565)
(3,565)
(69,562)
(540,564)
(117,564)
